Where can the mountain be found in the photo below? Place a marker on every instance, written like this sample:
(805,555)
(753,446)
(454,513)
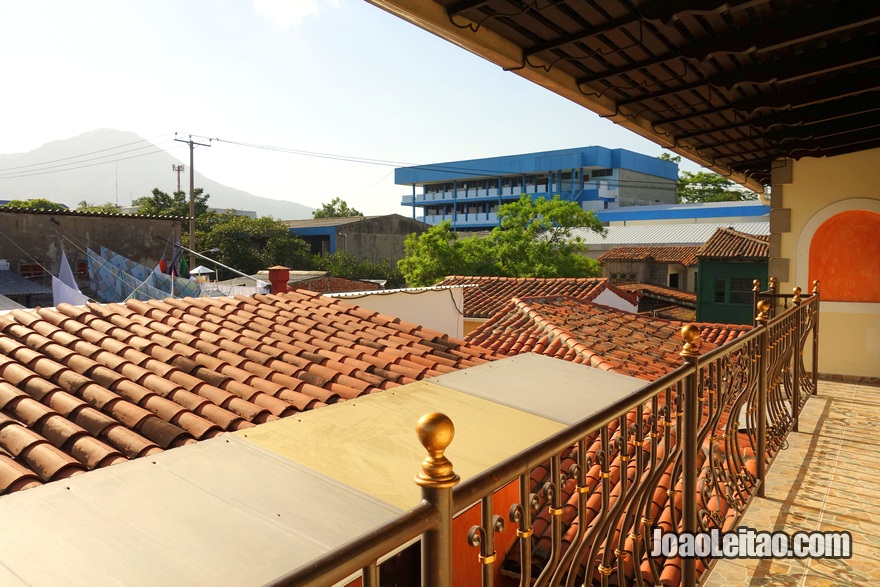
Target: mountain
(98,165)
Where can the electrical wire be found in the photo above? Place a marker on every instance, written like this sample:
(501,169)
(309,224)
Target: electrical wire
(84,154)
(470,172)
(49,170)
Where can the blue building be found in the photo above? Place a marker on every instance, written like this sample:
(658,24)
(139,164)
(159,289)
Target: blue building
(469,192)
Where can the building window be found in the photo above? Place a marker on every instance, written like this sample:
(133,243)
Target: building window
(673,280)
(720,286)
(741,290)
(31,270)
(82,269)
(601,173)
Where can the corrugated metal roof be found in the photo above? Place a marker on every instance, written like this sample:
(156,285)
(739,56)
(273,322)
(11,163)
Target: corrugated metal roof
(7,304)
(13,284)
(666,234)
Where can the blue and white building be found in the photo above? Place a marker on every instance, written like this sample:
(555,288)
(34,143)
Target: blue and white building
(469,192)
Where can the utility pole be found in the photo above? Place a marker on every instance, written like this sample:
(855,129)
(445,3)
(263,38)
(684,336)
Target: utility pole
(192,198)
(178,169)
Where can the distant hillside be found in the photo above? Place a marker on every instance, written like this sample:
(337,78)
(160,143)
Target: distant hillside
(136,175)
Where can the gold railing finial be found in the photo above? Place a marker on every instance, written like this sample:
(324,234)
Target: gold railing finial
(757,285)
(773,284)
(763,311)
(690,333)
(435,432)
(796,300)
(815,286)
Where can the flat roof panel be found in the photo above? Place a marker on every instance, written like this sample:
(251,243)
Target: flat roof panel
(221,512)
(566,392)
(370,443)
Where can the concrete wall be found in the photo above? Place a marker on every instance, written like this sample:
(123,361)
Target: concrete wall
(650,272)
(805,194)
(438,309)
(27,235)
(644,190)
(612,300)
(377,238)
(638,268)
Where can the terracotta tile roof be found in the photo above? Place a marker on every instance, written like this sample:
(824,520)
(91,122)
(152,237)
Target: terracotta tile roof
(606,338)
(673,312)
(661,293)
(728,243)
(87,387)
(686,256)
(583,332)
(494,293)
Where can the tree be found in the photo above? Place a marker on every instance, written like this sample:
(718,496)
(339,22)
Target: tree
(36,204)
(344,264)
(534,239)
(177,204)
(335,209)
(253,244)
(85,206)
(706,186)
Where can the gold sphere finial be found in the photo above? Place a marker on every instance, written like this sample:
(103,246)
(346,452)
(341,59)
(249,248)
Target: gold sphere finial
(763,309)
(690,333)
(773,284)
(757,285)
(815,286)
(797,296)
(435,431)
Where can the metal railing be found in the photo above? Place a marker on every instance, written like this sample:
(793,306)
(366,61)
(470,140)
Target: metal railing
(685,453)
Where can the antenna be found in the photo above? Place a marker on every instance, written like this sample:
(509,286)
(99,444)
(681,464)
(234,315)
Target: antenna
(178,169)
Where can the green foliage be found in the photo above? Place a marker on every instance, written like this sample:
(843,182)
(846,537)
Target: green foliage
(252,244)
(176,204)
(335,209)
(343,264)
(36,204)
(706,186)
(534,239)
(108,208)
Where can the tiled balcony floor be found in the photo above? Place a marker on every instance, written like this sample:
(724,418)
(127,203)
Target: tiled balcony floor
(829,480)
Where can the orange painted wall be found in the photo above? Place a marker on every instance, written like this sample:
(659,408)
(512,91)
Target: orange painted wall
(845,257)
(466,568)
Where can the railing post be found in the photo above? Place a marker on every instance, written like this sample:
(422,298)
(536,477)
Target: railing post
(437,479)
(756,291)
(816,313)
(689,436)
(762,318)
(796,364)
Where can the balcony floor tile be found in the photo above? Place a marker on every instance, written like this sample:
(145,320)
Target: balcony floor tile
(825,480)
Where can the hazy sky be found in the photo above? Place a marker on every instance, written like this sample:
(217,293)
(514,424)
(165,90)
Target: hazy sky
(343,78)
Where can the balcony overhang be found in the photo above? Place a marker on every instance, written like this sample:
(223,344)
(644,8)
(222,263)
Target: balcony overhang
(733,86)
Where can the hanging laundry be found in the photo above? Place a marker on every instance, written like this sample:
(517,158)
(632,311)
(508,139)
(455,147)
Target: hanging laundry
(115,278)
(64,287)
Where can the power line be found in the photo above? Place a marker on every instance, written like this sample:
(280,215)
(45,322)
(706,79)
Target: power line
(51,169)
(463,171)
(84,154)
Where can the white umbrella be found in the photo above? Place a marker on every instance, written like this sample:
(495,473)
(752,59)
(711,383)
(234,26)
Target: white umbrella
(201,270)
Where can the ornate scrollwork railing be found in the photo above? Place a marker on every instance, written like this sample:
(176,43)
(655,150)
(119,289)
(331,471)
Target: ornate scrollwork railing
(687,452)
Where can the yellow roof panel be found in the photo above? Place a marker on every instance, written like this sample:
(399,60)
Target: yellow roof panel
(370,443)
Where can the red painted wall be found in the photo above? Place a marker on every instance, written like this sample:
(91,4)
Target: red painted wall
(845,257)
